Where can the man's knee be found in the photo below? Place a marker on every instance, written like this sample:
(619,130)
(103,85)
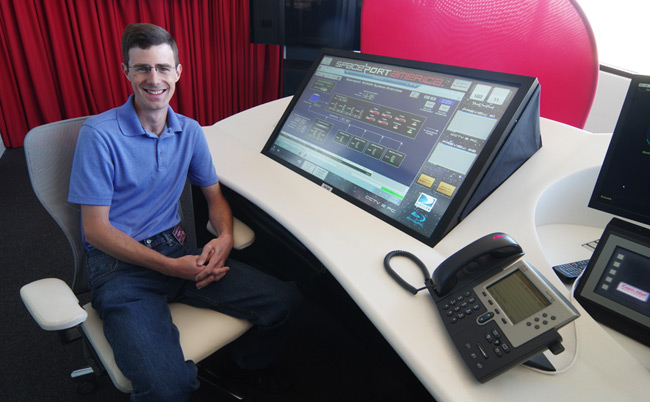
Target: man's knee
(286,302)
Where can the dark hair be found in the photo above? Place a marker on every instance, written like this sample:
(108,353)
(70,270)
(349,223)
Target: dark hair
(144,36)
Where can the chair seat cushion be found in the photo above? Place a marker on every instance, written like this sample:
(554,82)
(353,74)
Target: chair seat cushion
(244,236)
(202,332)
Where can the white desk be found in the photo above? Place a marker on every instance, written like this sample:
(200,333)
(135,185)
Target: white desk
(352,244)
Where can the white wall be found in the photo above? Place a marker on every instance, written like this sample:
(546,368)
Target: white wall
(620,28)
(621,31)
(610,95)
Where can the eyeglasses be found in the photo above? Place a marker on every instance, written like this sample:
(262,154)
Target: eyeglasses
(145,69)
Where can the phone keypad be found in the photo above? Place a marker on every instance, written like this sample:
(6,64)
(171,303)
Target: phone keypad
(482,350)
(459,307)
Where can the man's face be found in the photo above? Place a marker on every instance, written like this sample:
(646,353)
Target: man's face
(153,74)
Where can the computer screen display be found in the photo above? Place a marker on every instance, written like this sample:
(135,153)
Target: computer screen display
(622,187)
(406,141)
(615,286)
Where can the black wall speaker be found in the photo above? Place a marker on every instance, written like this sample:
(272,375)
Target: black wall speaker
(267,22)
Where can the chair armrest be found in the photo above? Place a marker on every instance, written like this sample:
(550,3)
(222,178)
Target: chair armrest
(52,304)
(243,235)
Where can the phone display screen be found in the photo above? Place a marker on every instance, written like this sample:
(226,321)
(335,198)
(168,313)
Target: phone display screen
(517,296)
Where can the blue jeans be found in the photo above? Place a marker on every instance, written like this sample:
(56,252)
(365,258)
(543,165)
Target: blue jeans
(132,303)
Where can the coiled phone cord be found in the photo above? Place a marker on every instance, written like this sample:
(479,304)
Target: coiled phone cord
(401,253)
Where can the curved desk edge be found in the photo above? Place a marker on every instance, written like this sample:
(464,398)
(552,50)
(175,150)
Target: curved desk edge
(352,244)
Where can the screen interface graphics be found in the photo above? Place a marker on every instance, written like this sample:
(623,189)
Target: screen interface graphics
(396,139)
(626,280)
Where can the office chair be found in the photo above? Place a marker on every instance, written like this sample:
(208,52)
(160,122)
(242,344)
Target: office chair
(49,151)
(551,40)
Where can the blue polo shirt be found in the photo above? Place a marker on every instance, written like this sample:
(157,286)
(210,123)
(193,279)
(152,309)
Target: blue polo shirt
(141,176)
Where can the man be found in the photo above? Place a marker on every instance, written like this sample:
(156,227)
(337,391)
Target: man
(129,169)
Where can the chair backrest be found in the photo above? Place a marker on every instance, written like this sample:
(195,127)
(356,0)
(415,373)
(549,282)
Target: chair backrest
(49,150)
(551,40)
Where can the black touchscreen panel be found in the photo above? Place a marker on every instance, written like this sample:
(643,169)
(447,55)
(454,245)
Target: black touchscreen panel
(615,286)
(405,141)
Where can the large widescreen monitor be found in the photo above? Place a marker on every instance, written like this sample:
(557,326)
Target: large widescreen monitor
(623,186)
(406,141)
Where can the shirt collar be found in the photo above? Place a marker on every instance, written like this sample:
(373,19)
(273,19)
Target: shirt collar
(130,123)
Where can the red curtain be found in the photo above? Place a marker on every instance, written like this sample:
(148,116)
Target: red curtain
(61,59)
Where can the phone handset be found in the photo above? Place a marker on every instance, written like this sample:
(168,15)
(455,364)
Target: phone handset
(482,255)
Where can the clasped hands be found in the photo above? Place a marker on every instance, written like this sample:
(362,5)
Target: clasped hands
(210,265)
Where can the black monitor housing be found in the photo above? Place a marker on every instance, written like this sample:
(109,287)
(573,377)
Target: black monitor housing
(615,286)
(622,186)
(419,145)
(306,23)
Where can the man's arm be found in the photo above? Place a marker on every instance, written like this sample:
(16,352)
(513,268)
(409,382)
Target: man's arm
(100,233)
(216,251)
(219,213)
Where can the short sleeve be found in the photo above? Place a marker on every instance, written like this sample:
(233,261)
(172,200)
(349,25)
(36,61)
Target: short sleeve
(91,178)
(201,171)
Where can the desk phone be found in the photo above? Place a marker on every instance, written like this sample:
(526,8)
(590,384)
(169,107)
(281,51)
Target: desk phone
(497,308)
